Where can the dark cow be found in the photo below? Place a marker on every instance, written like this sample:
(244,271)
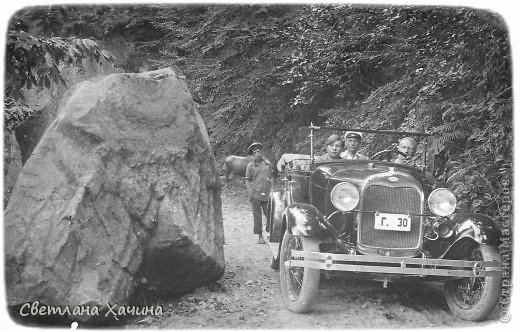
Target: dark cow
(236,165)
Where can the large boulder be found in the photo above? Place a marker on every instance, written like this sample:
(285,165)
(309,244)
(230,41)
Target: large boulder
(122,188)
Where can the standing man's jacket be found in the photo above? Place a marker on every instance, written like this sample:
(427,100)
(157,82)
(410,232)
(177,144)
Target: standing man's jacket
(259,175)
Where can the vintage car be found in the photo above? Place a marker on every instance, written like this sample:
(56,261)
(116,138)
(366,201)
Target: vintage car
(380,220)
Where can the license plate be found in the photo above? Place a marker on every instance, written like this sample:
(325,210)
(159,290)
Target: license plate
(392,222)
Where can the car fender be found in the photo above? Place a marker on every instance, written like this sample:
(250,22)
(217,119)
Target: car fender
(477,227)
(304,219)
(275,210)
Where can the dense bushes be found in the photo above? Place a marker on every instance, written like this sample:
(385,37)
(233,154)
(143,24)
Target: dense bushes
(260,72)
(439,70)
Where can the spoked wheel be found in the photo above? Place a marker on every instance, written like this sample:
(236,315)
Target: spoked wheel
(474,298)
(299,284)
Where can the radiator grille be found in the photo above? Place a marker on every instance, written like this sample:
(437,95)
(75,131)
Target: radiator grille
(390,200)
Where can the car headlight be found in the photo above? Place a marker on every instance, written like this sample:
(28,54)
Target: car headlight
(442,202)
(344,196)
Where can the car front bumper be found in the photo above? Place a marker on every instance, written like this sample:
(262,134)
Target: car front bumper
(394,265)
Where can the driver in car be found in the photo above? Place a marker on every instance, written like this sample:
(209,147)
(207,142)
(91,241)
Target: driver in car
(353,142)
(407,146)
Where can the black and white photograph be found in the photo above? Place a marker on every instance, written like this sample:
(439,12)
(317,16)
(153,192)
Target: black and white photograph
(257,166)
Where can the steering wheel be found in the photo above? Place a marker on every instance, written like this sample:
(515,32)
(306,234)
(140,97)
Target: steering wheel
(388,154)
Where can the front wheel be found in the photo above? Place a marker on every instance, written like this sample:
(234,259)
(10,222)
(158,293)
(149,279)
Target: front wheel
(299,285)
(473,298)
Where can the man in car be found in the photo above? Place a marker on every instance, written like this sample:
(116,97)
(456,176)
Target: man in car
(352,143)
(407,146)
(334,147)
(258,183)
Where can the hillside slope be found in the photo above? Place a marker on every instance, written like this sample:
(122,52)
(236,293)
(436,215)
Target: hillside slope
(261,71)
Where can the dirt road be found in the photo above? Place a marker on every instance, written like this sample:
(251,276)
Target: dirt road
(248,294)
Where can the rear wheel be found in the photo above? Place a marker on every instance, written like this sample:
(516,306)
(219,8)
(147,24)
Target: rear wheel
(299,285)
(474,298)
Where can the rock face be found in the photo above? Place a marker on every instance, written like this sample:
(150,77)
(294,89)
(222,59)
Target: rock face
(121,188)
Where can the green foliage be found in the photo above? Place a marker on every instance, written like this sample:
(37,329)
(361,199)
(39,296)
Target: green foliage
(15,113)
(34,62)
(445,71)
(264,70)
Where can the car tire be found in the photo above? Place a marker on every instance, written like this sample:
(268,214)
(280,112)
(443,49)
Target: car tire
(299,285)
(460,293)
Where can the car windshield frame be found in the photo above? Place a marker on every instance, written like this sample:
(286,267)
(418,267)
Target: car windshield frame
(314,128)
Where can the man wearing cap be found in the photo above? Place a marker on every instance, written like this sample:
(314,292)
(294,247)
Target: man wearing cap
(334,147)
(352,142)
(258,183)
(407,146)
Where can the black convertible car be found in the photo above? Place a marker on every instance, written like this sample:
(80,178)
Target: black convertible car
(378,219)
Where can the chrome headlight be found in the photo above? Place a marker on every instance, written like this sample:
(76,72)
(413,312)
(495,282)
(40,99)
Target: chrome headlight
(344,196)
(442,202)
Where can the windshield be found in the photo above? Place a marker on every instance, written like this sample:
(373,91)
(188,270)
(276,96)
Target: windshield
(335,144)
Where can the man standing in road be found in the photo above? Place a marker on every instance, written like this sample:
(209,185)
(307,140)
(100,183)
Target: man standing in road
(352,143)
(258,183)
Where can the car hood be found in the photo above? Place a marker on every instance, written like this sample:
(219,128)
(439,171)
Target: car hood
(363,172)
